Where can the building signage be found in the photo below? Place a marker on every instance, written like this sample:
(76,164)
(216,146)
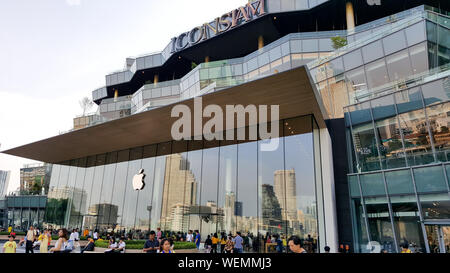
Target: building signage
(138,181)
(220,25)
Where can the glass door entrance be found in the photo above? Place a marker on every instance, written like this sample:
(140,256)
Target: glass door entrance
(438,238)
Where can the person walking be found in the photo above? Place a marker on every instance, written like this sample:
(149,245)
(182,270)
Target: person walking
(152,244)
(208,244)
(43,239)
(158,234)
(215,242)
(10,246)
(198,239)
(228,246)
(238,243)
(31,238)
(223,242)
(190,236)
(75,237)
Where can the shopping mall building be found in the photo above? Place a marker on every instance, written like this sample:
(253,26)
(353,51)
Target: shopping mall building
(363,149)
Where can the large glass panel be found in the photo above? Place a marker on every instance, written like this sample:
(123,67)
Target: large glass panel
(417,140)
(383,107)
(325,94)
(430,179)
(162,162)
(131,194)
(372,184)
(353,59)
(376,73)
(399,182)
(338,94)
(394,42)
(144,203)
(435,206)
(51,198)
(106,193)
(356,84)
(79,194)
(271,190)
(380,226)
(88,179)
(360,113)
(71,196)
(208,196)
(228,206)
(300,206)
(372,51)
(247,192)
(95,210)
(407,222)
(366,147)
(354,186)
(360,228)
(439,117)
(116,208)
(391,148)
(436,92)
(419,58)
(398,65)
(60,194)
(195,160)
(175,189)
(408,100)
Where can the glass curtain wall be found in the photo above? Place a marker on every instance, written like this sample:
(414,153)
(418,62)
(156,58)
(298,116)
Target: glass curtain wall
(209,186)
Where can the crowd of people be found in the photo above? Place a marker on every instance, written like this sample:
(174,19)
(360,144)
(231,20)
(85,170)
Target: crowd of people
(160,242)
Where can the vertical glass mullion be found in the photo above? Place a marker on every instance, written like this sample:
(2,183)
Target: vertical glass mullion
(430,134)
(363,205)
(397,116)
(419,207)
(375,132)
(391,214)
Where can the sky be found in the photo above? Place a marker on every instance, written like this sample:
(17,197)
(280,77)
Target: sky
(55,52)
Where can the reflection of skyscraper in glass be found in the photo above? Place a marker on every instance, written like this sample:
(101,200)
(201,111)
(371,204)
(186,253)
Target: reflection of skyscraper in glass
(271,210)
(285,189)
(180,189)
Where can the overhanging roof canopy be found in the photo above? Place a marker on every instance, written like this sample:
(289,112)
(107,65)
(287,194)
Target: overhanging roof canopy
(291,90)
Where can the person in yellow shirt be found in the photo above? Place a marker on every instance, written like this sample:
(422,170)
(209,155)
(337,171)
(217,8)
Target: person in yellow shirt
(9,229)
(222,243)
(43,238)
(10,246)
(215,241)
(405,249)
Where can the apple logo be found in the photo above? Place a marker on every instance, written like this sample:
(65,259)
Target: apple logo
(138,181)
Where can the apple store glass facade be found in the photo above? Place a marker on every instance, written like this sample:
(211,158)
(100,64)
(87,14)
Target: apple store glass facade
(210,186)
(400,154)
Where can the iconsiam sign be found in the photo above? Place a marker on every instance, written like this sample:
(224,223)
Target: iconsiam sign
(220,25)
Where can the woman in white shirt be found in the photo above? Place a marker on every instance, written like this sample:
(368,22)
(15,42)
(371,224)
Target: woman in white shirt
(63,238)
(112,245)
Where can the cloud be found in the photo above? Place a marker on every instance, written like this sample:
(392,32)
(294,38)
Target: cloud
(73,2)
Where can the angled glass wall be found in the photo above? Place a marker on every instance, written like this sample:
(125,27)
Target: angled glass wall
(210,186)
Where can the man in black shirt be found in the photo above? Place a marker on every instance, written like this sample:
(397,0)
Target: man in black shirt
(152,245)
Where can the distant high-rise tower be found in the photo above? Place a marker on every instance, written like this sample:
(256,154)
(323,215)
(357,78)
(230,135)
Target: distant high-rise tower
(4,182)
(180,186)
(286,192)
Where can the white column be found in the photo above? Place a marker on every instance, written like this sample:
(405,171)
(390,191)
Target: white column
(329,198)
